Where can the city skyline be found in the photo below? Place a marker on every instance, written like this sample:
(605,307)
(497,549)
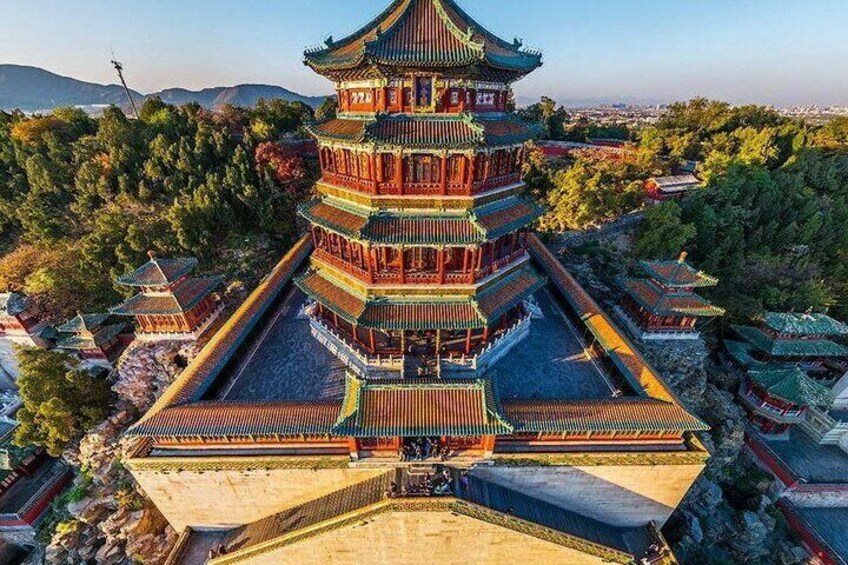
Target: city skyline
(653,51)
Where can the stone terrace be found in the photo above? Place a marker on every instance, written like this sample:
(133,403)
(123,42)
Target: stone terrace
(285,362)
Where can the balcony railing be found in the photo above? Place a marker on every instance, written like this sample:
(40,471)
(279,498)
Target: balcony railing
(391,187)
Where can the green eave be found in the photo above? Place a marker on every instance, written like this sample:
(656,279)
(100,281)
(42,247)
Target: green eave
(790,347)
(486,223)
(804,324)
(792,385)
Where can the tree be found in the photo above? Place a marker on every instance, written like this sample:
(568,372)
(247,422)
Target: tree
(663,235)
(328,108)
(592,191)
(61,401)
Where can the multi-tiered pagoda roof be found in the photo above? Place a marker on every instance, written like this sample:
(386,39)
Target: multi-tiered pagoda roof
(424,34)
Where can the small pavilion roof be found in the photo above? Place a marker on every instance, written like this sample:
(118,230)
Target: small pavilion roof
(159,272)
(791,384)
(677,273)
(182,299)
(13,303)
(83,323)
(682,303)
(800,324)
(386,227)
(780,347)
(98,338)
(740,351)
(608,415)
(432,34)
(456,131)
(420,408)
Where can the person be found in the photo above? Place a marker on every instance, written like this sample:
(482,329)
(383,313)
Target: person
(393,491)
(464,482)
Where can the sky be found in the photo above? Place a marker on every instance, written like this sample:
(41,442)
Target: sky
(780,52)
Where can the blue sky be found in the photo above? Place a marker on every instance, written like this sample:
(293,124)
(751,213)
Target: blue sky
(768,51)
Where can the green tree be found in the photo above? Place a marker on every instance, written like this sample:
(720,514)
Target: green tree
(663,235)
(61,401)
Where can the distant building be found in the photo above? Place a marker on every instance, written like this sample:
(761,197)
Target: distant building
(664,305)
(29,481)
(660,189)
(20,324)
(92,338)
(171,305)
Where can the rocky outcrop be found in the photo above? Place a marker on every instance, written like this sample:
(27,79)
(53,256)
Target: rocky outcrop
(109,521)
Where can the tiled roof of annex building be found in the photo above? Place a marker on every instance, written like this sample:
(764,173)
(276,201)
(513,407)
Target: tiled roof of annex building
(179,300)
(159,272)
(386,227)
(375,408)
(790,347)
(790,384)
(435,34)
(458,131)
(803,324)
(677,273)
(662,303)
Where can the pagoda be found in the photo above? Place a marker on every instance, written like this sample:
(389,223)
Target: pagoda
(418,273)
(20,325)
(171,304)
(420,263)
(665,306)
(790,337)
(92,338)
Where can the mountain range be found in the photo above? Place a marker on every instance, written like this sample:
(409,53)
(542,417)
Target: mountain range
(32,89)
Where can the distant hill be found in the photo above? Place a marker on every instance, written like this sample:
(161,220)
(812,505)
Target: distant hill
(241,95)
(31,89)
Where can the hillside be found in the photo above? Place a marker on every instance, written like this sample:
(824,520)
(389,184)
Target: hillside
(31,89)
(242,95)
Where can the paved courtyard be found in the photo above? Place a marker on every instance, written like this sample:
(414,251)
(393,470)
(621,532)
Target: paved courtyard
(285,362)
(550,363)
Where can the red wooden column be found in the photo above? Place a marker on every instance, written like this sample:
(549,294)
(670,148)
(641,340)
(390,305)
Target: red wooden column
(488,445)
(471,168)
(441,259)
(372,163)
(402,267)
(353,447)
(468,342)
(371,341)
(378,174)
(399,172)
(444,175)
(369,259)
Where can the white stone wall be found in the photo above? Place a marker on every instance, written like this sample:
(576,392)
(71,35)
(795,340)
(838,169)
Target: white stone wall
(619,495)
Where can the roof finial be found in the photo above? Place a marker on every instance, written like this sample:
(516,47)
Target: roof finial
(329,41)
(683,256)
(152,255)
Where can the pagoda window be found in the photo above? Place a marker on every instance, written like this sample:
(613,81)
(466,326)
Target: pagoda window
(388,166)
(422,168)
(365,166)
(456,169)
(421,259)
(480,167)
(341,161)
(393,97)
(454,98)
